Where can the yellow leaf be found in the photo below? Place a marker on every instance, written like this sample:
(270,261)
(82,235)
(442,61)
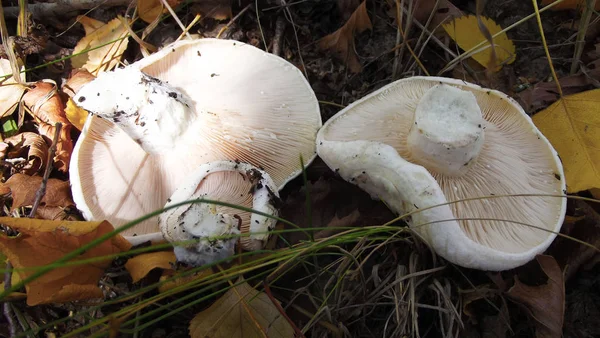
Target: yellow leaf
(572,125)
(112,36)
(140,265)
(10,90)
(241,312)
(341,42)
(466,33)
(75,114)
(41,242)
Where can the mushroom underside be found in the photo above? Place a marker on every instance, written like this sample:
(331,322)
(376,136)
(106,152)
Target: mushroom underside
(514,159)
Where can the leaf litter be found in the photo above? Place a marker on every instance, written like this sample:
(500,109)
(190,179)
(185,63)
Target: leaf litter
(329,294)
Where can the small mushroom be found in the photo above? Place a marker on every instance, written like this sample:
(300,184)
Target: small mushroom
(158,120)
(422,142)
(202,222)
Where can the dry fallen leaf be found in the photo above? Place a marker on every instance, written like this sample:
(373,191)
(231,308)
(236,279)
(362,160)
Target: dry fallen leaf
(112,36)
(341,42)
(466,33)
(140,265)
(75,114)
(546,303)
(78,78)
(29,146)
(334,204)
(47,111)
(10,90)
(24,189)
(41,242)
(241,312)
(216,9)
(149,10)
(568,4)
(571,125)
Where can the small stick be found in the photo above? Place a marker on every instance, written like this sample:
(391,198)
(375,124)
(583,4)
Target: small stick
(234,19)
(277,39)
(7,309)
(42,190)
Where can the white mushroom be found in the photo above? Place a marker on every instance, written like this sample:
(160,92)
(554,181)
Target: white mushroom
(156,121)
(202,222)
(419,143)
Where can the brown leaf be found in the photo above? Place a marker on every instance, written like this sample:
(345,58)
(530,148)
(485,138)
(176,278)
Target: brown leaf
(54,214)
(24,188)
(544,93)
(29,146)
(341,42)
(140,265)
(241,312)
(216,9)
(334,203)
(41,242)
(78,78)
(546,303)
(180,280)
(149,10)
(47,112)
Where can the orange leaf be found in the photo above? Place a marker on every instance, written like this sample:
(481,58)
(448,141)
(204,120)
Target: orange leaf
(47,112)
(78,78)
(546,303)
(24,189)
(42,242)
(140,265)
(341,41)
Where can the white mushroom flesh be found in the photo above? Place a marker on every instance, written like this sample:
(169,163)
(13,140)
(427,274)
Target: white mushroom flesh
(514,159)
(261,111)
(447,134)
(205,221)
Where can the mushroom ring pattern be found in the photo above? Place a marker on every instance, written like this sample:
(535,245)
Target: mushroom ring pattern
(461,159)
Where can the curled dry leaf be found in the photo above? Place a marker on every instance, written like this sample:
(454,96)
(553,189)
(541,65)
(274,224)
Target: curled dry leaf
(47,111)
(466,33)
(241,312)
(546,303)
(24,189)
(112,36)
(140,265)
(570,124)
(41,242)
(341,42)
(10,90)
(149,10)
(29,146)
(78,78)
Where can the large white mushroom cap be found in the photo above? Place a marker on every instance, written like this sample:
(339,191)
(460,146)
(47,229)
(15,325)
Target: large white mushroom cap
(229,101)
(424,141)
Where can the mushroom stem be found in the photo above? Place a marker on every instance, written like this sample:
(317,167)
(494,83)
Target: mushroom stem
(217,233)
(378,169)
(447,134)
(153,113)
